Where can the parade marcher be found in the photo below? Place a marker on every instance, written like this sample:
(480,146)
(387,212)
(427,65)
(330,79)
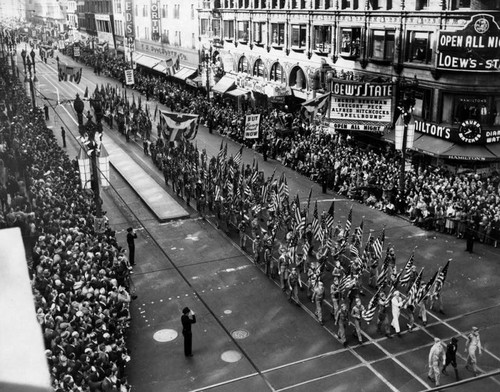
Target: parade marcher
(242,227)
(256,249)
(422,311)
(46,111)
(396,304)
(294,284)
(335,296)
(63,136)
(473,343)
(188,318)
(410,310)
(356,315)
(338,271)
(470,234)
(451,356)
(317,298)
(383,318)
(436,358)
(283,264)
(342,320)
(131,236)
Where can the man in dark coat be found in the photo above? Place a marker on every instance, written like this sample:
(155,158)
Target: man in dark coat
(131,236)
(451,356)
(188,317)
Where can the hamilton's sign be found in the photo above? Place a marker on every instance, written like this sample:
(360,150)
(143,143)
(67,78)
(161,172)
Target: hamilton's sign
(476,47)
(468,132)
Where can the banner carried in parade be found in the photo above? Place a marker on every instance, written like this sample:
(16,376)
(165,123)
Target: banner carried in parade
(181,125)
(252,122)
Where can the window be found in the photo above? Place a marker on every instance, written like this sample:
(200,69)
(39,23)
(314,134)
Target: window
(298,78)
(164,37)
(421,4)
(350,4)
(382,45)
(216,28)
(146,33)
(193,41)
(418,47)
(203,26)
(176,11)
(277,73)
(458,108)
(278,34)
(229,29)
(423,104)
(299,34)
(322,38)
(164,11)
(243,65)
(461,4)
(351,39)
(144,10)
(243,27)
(259,69)
(192,11)
(136,10)
(259,32)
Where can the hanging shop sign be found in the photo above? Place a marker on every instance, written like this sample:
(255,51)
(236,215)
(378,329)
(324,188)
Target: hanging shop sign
(252,122)
(468,132)
(129,77)
(129,19)
(476,47)
(361,106)
(155,20)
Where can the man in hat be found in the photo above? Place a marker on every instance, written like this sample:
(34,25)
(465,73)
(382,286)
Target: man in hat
(356,312)
(342,320)
(317,298)
(451,356)
(473,343)
(436,356)
(396,304)
(188,317)
(131,236)
(293,284)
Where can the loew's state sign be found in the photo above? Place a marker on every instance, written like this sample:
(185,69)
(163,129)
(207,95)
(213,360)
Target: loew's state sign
(476,47)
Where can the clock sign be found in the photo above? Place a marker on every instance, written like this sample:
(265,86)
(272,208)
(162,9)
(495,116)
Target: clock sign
(470,131)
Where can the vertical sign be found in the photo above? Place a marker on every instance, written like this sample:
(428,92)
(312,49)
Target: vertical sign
(155,20)
(252,126)
(129,19)
(129,77)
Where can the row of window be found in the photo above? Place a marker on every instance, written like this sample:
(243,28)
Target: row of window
(164,11)
(326,4)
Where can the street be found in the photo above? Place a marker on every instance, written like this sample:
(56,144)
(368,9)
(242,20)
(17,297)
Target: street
(248,337)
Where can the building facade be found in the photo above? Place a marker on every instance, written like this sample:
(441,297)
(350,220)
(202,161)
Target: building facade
(444,53)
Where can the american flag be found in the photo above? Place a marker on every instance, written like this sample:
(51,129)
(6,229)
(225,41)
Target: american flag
(297,213)
(378,244)
(321,235)
(354,250)
(423,293)
(414,289)
(309,199)
(265,190)
(407,270)
(217,192)
(370,310)
(438,285)
(365,257)
(306,247)
(256,208)
(347,282)
(382,277)
(348,224)
(393,288)
(330,215)
(238,156)
(316,228)
(220,155)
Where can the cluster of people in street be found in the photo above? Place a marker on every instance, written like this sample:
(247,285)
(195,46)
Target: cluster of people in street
(80,278)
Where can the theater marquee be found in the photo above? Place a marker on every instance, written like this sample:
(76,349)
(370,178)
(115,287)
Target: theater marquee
(361,106)
(474,48)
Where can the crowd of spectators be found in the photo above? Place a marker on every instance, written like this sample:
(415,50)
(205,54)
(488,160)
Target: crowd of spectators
(435,198)
(80,279)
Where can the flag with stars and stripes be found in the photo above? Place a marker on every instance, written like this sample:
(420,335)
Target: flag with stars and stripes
(297,212)
(237,158)
(365,257)
(422,294)
(411,298)
(407,270)
(382,277)
(316,228)
(370,310)
(330,216)
(347,282)
(354,251)
(441,277)
(378,244)
(348,224)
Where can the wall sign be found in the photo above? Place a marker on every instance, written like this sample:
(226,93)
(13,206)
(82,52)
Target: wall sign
(468,132)
(476,47)
(155,20)
(361,106)
(252,122)
(129,19)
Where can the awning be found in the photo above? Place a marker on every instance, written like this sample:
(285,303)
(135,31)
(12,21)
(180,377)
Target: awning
(237,92)
(162,67)
(184,73)
(147,61)
(224,84)
(430,145)
(469,153)
(494,148)
(135,56)
(196,82)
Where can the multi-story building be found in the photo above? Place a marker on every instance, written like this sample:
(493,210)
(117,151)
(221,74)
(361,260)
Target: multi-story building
(165,35)
(13,9)
(443,54)
(71,16)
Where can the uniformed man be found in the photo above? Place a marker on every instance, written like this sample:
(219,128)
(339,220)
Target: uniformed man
(342,320)
(356,311)
(335,295)
(383,318)
(242,227)
(473,343)
(317,298)
(283,264)
(294,284)
(338,271)
(436,357)
(451,356)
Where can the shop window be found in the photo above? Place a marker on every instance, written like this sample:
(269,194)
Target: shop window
(243,65)
(259,33)
(203,26)
(278,34)
(259,69)
(277,73)
(418,47)
(351,39)
(229,29)
(382,47)
(421,5)
(322,38)
(216,28)
(458,108)
(423,104)
(299,34)
(243,27)
(298,78)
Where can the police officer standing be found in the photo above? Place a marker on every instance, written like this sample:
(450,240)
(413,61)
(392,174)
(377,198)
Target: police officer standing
(187,319)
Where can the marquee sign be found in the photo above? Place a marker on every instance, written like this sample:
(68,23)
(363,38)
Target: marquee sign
(476,47)
(361,106)
(468,132)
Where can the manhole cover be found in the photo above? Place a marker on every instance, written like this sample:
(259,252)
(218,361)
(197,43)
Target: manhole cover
(231,356)
(240,334)
(228,311)
(165,335)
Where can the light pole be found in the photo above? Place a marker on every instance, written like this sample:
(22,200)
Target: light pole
(405,131)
